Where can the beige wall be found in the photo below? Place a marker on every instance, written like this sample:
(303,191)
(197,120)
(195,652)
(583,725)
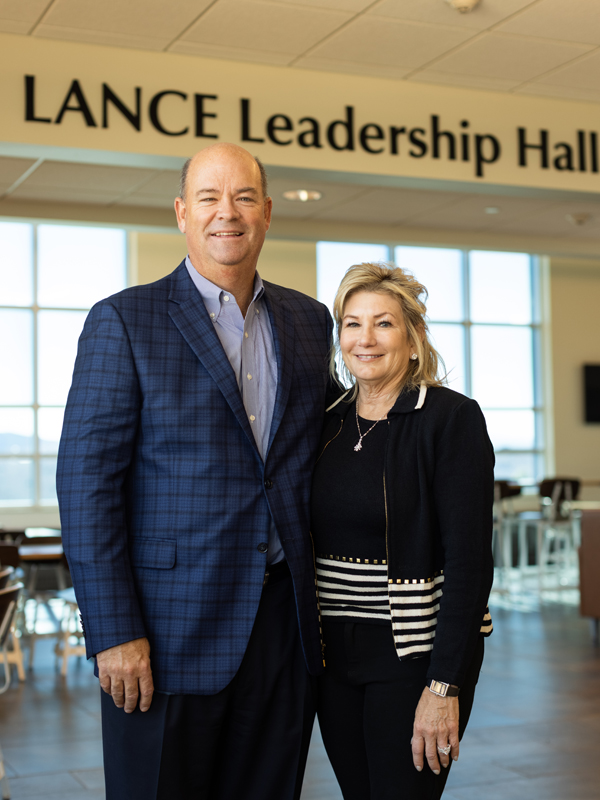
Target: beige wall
(575,309)
(289,263)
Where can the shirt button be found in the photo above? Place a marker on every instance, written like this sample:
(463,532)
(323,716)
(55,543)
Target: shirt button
(249,376)
(252,417)
(262,547)
(268,483)
(246,334)
(212,316)
(257,311)
(226,297)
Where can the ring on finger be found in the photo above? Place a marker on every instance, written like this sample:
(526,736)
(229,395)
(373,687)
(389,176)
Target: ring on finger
(445,750)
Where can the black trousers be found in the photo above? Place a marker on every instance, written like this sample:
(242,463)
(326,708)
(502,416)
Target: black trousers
(366,708)
(248,742)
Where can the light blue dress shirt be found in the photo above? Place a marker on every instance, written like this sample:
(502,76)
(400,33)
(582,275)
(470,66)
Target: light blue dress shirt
(248,345)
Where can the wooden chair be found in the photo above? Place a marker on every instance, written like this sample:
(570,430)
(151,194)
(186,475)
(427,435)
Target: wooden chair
(557,539)
(8,606)
(70,628)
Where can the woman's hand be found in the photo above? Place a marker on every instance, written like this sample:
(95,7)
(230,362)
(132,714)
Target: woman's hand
(436,725)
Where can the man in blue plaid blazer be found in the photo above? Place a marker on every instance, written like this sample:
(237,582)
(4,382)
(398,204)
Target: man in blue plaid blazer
(185,525)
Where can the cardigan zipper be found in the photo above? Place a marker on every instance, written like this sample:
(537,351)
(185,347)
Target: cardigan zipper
(312,541)
(330,441)
(315,557)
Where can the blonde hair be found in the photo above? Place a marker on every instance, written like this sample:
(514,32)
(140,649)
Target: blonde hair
(387,278)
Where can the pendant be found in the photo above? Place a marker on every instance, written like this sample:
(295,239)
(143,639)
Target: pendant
(358,445)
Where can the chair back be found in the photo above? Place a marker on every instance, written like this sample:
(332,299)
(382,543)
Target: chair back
(5,576)
(9,555)
(559,490)
(8,605)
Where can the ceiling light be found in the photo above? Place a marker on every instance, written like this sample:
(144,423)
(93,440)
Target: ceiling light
(492,210)
(302,195)
(463,6)
(578,219)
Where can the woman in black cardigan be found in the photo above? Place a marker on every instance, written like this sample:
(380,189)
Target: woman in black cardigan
(402,525)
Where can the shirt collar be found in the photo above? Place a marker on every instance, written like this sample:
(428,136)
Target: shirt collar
(212,294)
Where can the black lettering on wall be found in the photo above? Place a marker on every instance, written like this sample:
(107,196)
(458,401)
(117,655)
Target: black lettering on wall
(273,126)
(133,117)
(153,112)
(594,150)
(81,107)
(465,142)
(394,134)
(436,135)
(420,144)
(481,158)
(312,136)
(201,115)
(365,137)
(524,146)
(347,126)
(30,101)
(581,151)
(565,158)
(245,109)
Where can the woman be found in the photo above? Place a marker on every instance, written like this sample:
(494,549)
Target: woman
(402,523)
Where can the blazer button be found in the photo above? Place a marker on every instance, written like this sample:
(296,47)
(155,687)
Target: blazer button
(268,483)
(262,547)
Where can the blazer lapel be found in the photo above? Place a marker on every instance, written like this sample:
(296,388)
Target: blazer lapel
(189,314)
(282,324)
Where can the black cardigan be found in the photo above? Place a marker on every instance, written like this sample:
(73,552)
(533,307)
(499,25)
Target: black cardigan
(439,486)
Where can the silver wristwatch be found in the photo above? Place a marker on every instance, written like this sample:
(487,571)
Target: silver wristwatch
(443,689)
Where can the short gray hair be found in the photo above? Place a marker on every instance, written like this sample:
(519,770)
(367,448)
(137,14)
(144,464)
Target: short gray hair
(186,168)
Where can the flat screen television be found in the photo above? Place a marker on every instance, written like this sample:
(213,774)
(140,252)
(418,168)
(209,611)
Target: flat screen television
(591,388)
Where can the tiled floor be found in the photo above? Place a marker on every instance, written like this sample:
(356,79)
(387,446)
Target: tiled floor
(534,733)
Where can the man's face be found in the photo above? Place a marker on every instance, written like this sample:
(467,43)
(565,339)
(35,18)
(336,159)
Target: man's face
(224,215)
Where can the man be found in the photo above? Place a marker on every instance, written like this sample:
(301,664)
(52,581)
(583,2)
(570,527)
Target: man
(184,471)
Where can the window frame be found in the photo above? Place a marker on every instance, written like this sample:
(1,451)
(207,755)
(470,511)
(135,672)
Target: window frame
(38,506)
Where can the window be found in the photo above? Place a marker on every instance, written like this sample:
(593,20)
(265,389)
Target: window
(484,321)
(50,276)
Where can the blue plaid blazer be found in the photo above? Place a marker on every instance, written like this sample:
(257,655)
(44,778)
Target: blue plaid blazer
(163,496)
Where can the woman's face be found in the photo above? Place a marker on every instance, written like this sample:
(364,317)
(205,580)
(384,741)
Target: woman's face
(373,339)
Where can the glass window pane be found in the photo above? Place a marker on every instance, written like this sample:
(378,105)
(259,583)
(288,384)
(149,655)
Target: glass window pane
(50,422)
(500,287)
(334,259)
(16,482)
(16,357)
(501,366)
(16,431)
(524,467)
(48,482)
(58,332)
(449,341)
(440,271)
(78,266)
(511,430)
(16,264)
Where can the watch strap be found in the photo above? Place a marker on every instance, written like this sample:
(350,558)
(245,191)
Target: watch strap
(443,689)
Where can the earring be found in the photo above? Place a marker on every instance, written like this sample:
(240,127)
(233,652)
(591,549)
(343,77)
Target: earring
(414,357)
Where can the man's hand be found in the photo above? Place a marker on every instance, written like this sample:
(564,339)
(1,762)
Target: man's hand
(125,674)
(436,725)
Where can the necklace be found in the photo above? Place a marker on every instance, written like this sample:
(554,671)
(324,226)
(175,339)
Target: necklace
(358,445)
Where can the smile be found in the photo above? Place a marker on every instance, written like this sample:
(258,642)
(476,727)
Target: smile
(225,234)
(367,358)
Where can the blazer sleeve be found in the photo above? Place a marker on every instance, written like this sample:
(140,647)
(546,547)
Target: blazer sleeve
(463,492)
(96,450)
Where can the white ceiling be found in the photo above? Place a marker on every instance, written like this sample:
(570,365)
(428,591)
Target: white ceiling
(54,182)
(542,47)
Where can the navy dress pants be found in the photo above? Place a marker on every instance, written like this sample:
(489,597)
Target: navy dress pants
(248,742)
(367,704)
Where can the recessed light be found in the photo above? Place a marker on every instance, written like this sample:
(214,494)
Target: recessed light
(492,210)
(578,219)
(302,195)
(463,6)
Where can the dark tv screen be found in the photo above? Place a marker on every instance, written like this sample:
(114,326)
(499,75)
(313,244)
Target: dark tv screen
(591,375)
